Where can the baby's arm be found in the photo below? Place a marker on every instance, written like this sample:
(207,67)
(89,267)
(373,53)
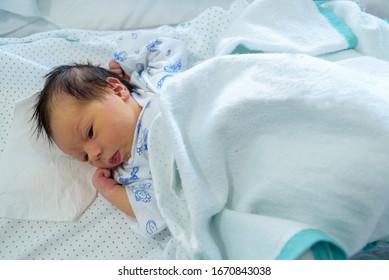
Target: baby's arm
(112,191)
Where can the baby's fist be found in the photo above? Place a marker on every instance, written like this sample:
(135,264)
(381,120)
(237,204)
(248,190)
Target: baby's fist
(103,181)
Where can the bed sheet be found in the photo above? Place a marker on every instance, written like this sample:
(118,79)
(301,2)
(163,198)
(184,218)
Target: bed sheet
(101,232)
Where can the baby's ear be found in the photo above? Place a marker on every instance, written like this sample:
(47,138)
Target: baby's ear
(118,88)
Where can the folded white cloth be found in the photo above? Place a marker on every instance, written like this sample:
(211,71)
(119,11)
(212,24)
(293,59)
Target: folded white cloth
(272,155)
(295,26)
(372,32)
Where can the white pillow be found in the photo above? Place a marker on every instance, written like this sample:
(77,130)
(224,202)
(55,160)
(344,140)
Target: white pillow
(25,17)
(122,14)
(15,14)
(27,8)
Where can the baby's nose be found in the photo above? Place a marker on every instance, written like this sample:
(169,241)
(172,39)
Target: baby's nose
(94,153)
(94,157)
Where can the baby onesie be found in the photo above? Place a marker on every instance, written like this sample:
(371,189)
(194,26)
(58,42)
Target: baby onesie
(136,177)
(149,67)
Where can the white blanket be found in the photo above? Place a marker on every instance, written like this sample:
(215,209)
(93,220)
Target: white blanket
(294,26)
(268,155)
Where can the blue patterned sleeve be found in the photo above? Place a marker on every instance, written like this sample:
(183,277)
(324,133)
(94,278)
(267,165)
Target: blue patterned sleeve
(153,64)
(141,194)
(148,220)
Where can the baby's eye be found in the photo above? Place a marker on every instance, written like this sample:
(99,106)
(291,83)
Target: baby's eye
(90,133)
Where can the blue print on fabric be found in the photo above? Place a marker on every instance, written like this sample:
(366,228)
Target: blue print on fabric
(145,186)
(169,52)
(120,56)
(124,181)
(133,177)
(153,45)
(134,172)
(138,127)
(174,67)
(139,147)
(134,35)
(142,196)
(140,67)
(151,227)
(162,80)
(139,140)
(145,138)
(141,144)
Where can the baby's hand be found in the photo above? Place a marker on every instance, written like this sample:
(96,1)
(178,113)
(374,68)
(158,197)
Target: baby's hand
(112,191)
(115,67)
(103,181)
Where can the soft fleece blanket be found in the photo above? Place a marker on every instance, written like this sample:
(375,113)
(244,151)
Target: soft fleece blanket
(269,155)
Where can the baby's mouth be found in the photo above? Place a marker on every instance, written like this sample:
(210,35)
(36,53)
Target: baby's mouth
(115,159)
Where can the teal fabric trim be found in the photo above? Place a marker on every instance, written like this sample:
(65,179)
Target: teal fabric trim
(72,40)
(374,244)
(340,26)
(327,251)
(321,245)
(377,250)
(386,19)
(241,49)
(370,246)
(320,2)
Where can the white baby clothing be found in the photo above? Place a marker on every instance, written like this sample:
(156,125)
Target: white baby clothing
(136,177)
(148,68)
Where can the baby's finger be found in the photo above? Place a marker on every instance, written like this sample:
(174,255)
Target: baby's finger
(106,173)
(113,64)
(103,172)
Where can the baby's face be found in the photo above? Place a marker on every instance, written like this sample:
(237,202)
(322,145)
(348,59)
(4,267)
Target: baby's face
(99,132)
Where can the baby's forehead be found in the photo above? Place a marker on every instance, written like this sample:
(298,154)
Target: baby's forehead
(78,95)
(65,104)
(63,98)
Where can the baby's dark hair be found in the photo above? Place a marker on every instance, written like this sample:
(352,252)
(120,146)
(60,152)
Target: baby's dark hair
(83,82)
